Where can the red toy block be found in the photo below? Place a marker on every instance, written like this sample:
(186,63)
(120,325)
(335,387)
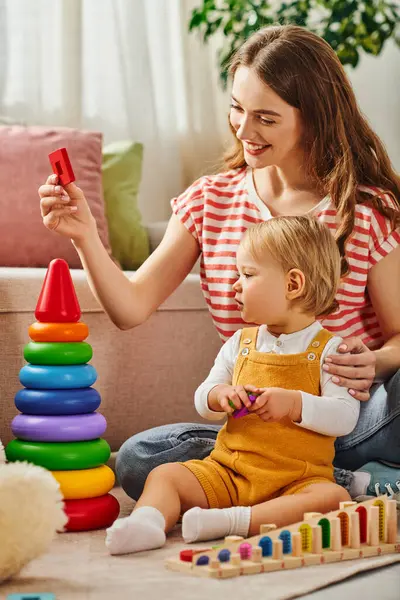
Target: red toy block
(57,301)
(186,555)
(61,166)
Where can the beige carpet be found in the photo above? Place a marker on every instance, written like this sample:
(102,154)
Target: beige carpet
(78,567)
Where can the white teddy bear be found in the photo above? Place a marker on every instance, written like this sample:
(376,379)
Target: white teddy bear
(31,512)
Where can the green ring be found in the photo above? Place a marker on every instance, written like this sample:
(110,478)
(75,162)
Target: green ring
(58,353)
(60,456)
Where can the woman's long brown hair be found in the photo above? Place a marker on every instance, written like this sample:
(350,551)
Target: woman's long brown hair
(342,150)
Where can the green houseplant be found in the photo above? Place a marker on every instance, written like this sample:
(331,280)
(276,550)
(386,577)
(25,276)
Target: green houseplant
(349,26)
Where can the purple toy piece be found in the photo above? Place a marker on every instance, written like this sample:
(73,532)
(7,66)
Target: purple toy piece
(243,411)
(69,428)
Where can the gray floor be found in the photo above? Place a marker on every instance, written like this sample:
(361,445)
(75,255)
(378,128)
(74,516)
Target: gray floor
(380,584)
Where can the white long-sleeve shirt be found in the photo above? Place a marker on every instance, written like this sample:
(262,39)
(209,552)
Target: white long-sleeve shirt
(333,413)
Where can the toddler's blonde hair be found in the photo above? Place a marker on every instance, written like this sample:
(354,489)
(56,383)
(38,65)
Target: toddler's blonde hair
(303,243)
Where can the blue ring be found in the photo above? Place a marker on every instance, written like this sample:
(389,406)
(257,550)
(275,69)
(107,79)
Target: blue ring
(57,402)
(44,377)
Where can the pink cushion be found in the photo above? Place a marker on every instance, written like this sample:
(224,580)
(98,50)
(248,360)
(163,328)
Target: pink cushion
(24,166)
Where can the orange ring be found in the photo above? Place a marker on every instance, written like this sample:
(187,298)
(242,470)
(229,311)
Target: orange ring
(58,332)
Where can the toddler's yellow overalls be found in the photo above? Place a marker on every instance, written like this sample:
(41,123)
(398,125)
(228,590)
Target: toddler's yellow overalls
(254,461)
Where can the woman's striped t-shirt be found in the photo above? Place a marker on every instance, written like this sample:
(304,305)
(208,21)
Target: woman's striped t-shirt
(218,209)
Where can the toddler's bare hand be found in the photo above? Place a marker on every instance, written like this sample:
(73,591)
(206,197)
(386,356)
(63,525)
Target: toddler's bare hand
(273,404)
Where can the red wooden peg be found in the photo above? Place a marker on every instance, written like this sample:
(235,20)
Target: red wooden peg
(61,166)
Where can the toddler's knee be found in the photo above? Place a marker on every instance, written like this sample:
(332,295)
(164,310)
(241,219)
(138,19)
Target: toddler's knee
(169,471)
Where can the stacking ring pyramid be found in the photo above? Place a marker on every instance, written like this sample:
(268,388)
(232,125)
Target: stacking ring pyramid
(59,428)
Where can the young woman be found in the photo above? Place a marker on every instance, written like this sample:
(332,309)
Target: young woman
(301,146)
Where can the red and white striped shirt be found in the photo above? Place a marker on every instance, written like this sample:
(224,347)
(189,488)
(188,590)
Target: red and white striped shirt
(218,209)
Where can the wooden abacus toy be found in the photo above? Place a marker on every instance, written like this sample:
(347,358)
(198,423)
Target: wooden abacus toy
(356,530)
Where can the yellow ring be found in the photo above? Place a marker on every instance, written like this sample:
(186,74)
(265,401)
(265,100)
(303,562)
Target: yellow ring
(85,483)
(58,332)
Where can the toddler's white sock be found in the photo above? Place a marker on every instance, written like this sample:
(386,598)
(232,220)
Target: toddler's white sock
(142,530)
(200,524)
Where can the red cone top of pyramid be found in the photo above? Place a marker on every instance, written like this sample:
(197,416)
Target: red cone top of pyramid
(57,301)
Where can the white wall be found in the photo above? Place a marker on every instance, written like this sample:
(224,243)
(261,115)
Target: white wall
(376,81)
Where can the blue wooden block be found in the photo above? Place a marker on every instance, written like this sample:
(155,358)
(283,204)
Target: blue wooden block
(29,596)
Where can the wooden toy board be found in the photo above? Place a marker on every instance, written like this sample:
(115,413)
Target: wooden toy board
(356,530)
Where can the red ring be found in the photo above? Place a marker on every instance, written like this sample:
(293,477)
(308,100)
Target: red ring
(87,514)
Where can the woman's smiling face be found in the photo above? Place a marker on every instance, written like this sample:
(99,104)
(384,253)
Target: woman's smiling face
(268,127)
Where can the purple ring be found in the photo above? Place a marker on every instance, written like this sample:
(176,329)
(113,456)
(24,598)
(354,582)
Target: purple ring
(66,428)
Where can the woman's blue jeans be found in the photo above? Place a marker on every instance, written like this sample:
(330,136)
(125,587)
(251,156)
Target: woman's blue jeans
(375,437)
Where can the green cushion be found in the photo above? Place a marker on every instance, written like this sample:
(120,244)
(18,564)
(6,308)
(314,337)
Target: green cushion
(122,169)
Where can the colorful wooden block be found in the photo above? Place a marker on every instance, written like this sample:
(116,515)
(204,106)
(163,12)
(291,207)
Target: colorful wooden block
(61,166)
(356,530)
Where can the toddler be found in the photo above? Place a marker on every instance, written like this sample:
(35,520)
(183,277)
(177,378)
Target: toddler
(275,463)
